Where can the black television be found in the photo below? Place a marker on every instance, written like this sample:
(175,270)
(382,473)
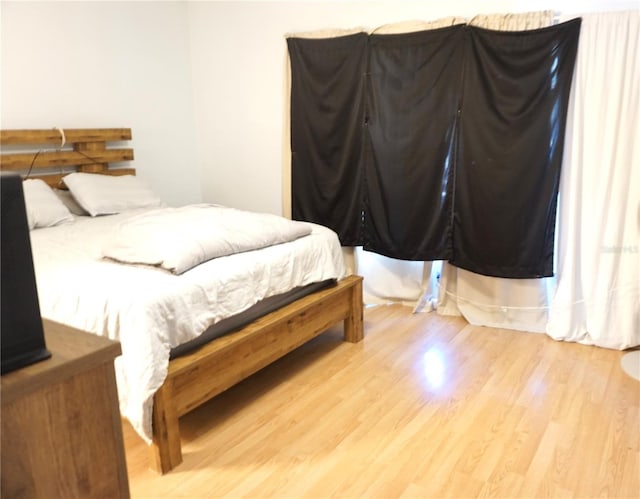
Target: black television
(21,333)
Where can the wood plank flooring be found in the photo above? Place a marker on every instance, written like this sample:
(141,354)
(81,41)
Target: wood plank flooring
(425,406)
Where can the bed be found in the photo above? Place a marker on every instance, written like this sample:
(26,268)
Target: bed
(303,301)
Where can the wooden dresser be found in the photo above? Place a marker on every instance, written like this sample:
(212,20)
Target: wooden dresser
(61,427)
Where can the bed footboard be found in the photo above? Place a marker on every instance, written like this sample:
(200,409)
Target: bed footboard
(196,378)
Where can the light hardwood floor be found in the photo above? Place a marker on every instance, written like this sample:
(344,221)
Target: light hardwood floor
(425,406)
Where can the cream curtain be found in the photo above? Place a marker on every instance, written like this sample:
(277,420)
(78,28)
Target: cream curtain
(412,26)
(514,22)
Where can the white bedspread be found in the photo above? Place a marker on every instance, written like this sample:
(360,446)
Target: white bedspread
(178,239)
(150,310)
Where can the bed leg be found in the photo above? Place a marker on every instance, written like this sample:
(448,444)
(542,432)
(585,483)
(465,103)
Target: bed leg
(166,452)
(353,328)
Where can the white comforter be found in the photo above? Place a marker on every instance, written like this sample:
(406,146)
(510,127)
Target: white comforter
(178,239)
(150,310)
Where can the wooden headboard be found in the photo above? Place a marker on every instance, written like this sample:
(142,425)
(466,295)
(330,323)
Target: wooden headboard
(51,154)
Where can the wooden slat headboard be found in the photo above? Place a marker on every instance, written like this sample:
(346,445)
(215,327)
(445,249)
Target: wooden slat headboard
(51,154)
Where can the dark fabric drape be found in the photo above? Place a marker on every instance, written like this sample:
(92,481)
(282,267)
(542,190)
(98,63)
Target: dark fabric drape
(327,112)
(516,94)
(435,145)
(413,96)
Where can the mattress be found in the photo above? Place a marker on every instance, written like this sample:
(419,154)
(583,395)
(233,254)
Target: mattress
(235,322)
(151,311)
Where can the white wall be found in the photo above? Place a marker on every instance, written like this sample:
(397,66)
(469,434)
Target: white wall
(106,64)
(201,83)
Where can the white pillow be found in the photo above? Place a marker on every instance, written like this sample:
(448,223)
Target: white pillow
(105,194)
(69,201)
(44,209)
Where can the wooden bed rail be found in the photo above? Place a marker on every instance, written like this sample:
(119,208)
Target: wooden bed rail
(39,153)
(197,377)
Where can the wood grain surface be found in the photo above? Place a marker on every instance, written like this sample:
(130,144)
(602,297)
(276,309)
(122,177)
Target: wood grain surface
(425,406)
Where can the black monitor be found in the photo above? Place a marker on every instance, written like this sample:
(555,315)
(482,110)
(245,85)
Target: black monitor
(21,332)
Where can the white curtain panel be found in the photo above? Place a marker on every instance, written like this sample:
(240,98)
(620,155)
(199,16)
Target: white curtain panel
(521,304)
(598,294)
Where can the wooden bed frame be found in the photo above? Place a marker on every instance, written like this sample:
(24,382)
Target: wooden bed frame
(197,377)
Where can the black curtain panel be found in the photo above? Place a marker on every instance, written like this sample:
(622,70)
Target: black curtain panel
(413,95)
(516,93)
(435,145)
(327,112)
